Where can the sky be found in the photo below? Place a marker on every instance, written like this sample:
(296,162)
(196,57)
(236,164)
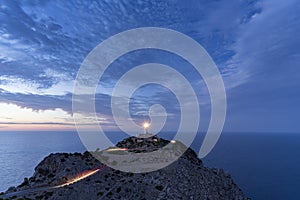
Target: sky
(255,45)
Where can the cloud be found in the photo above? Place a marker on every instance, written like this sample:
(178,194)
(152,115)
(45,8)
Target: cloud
(37,102)
(14,114)
(42,45)
(16,117)
(35,123)
(58,35)
(267,56)
(266,46)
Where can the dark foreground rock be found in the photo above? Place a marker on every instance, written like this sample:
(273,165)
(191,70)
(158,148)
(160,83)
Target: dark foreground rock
(186,178)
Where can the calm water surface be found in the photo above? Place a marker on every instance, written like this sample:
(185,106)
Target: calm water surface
(265,166)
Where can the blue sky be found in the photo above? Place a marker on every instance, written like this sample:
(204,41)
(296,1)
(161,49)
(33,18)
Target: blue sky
(255,45)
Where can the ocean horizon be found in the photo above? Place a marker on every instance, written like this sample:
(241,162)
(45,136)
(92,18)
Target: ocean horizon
(263,167)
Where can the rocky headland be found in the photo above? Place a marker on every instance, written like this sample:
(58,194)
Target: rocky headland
(82,176)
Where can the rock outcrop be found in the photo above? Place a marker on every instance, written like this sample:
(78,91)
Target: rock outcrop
(186,178)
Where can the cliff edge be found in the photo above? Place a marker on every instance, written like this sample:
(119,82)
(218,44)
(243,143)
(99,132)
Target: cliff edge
(81,176)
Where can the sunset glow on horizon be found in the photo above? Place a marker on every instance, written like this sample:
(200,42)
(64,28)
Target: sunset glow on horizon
(17,118)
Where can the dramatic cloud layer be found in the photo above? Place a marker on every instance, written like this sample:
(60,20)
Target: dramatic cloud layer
(254,43)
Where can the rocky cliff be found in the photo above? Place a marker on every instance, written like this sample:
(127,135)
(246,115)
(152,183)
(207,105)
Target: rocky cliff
(81,176)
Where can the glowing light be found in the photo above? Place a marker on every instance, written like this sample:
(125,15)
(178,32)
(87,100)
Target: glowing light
(146,125)
(117,149)
(173,141)
(81,176)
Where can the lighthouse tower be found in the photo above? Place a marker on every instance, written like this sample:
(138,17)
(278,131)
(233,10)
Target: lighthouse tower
(146,134)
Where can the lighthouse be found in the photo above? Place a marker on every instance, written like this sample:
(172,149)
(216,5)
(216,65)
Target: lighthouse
(146,134)
(146,126)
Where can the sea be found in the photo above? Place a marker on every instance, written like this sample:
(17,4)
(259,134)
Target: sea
(264,165)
